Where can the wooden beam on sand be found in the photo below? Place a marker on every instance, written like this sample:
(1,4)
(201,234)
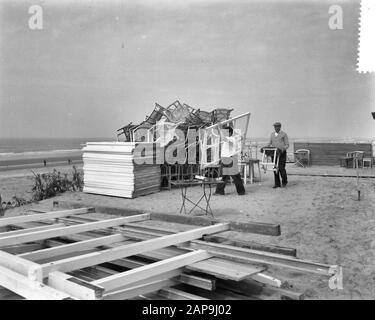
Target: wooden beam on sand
(49,253)
(253,256)
(249,227)
(124,251)
(27,288)
(75,287)
(154,269)
(40,235)
(44,216)
(252,245)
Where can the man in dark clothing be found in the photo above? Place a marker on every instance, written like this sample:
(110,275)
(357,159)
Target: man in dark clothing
(279,139)
(229,162)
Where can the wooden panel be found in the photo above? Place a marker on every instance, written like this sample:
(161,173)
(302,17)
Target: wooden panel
(329,153)
(39,235)
(154,269)
(249,226)
(96,258)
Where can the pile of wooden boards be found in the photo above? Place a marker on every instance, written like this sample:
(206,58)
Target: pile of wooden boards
(112,168)
(76,254)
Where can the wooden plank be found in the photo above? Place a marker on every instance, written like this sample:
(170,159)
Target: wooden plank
(75,287)
(39,235)
(253,256)
(71,247)
(249,227)
(197,281)
(175,294)
(153,269)
(20,265)
(139,290)
(252,245)
(43,216)
(225,269)
(28,230)
(253,288)
(27,288)
(96,258)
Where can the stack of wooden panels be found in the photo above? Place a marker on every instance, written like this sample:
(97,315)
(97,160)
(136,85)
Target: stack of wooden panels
(76,254)
(112,168)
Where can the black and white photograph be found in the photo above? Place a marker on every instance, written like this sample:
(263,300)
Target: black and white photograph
(158,150)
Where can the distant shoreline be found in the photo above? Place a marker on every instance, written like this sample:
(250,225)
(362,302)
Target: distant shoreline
(23,161)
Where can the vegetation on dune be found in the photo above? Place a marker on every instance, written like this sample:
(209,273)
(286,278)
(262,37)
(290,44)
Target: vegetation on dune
(47,185)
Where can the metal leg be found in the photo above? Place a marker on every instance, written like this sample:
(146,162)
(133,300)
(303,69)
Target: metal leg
(183,193)
(208,207)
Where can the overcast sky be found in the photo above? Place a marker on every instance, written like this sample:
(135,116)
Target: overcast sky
(97,65)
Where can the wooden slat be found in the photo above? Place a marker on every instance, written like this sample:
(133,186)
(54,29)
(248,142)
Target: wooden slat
(95,258)
(39,235)
(28,230)
(153,269)
(71,247)
(253,256)
(43,216)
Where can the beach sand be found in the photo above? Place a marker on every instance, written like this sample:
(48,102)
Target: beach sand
(319,216)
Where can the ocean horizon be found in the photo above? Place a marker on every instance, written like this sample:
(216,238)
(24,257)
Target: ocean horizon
(34,146)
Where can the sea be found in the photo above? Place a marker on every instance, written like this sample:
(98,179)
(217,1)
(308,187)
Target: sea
(34,146)
(9,146)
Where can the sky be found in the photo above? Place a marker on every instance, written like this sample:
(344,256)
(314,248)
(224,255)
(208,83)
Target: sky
(98,65)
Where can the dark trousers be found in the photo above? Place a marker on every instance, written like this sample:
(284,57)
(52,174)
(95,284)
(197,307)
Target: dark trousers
(237,182)
(281,172)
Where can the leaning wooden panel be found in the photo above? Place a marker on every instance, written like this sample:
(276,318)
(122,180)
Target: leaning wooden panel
(43,216)
(40,235)
(96,258)
(153,269)
(27,288)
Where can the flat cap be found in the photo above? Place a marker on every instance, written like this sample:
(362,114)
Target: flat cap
(277,124)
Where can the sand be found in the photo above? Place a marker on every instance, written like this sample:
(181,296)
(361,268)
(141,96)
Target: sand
(319,216)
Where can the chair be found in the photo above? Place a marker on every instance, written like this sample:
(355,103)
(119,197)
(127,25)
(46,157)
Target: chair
(302,157)
(369,160)
(270,157)
(345,161)
(358,159)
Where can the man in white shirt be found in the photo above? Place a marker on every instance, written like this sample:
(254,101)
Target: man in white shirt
(229,160)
